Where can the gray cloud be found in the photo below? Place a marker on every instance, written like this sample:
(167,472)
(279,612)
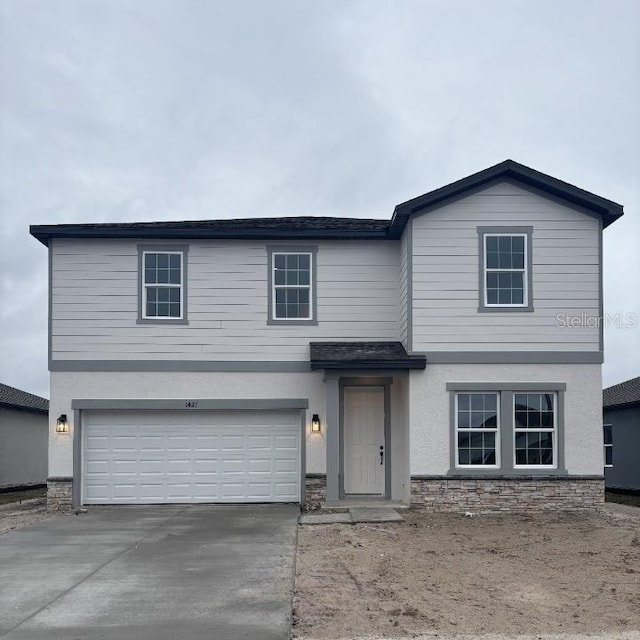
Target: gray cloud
(184,110)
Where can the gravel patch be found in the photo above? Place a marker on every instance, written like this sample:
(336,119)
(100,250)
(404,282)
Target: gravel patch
(15,515)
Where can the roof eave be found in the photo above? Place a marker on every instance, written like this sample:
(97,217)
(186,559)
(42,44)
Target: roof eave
(622,405)
(44,234)
(417,362)
(509,169)
(19,407)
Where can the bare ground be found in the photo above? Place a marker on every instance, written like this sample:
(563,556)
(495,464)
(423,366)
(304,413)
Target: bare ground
(20,514)
(446,575)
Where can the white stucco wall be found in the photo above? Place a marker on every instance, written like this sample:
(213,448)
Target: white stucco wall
(420,422)
(66,387)
(430,420)
(400,479)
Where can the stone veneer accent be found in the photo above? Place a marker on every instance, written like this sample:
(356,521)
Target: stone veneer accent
(59,494)
(515,494)
(315,488)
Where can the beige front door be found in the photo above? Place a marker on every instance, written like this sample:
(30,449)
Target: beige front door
(364,442)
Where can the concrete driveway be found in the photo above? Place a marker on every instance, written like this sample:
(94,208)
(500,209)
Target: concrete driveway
(152,572)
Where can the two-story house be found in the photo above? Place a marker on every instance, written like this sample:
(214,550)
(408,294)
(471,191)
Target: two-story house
(449,357)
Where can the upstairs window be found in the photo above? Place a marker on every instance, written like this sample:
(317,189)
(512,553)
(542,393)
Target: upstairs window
(162,285)
(292,295)
(505,269)
(607,432)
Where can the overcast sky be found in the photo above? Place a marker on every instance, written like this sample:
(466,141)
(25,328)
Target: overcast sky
(122,110)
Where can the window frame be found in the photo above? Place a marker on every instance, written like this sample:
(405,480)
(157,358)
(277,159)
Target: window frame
(496,431)
(553,430)
(607,445)
(143,286)
(484,233)
(507,391)
(275,250)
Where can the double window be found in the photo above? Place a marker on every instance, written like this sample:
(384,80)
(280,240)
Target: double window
(292,285)
(505,428)
(162,296)
(505,268)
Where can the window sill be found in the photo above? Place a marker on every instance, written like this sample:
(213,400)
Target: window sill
(505,309)
(291,323)
(496,474)
(161,321)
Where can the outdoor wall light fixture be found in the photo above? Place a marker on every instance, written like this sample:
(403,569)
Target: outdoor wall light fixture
(315,423)
(62,426)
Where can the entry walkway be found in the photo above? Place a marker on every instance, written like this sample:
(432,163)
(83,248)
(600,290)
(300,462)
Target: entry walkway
(354,515)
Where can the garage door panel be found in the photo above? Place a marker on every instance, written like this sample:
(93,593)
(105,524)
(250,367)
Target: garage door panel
(98,491)
(282,465)
(137,457)
(285,489)
(233,443)
(259,465)
(206,443)
(97,468)
(205,465)
(284,443)
(124,491)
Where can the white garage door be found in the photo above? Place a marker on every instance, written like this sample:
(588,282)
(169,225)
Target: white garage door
(199,456)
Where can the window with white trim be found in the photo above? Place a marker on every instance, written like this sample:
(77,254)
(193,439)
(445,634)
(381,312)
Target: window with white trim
(162,285)
(534,427)
(292,282)
(477,430)
(607,433)
(505,270)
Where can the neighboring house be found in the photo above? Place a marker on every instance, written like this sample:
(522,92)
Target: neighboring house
(452,354)
(621,431)
(24,438)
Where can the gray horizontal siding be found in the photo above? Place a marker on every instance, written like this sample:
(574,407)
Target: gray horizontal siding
(445,275)
(95,297)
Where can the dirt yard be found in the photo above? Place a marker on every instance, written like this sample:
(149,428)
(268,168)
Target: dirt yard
(452,575)
(19,514)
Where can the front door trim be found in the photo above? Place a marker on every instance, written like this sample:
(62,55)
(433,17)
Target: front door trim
(368,381)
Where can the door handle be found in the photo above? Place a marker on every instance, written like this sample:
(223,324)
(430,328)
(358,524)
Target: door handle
(381,454)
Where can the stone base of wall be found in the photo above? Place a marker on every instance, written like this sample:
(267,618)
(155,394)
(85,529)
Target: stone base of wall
(519,494)
(315,489)
(59,494)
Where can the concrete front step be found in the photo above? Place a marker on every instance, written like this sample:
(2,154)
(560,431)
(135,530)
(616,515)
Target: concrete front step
(364,503)
(353,516)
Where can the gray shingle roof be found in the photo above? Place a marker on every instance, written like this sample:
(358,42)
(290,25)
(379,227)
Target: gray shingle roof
(13,398)
(237,228)
(623,394)
(366,355)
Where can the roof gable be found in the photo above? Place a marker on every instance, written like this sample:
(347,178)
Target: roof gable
(608,210)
